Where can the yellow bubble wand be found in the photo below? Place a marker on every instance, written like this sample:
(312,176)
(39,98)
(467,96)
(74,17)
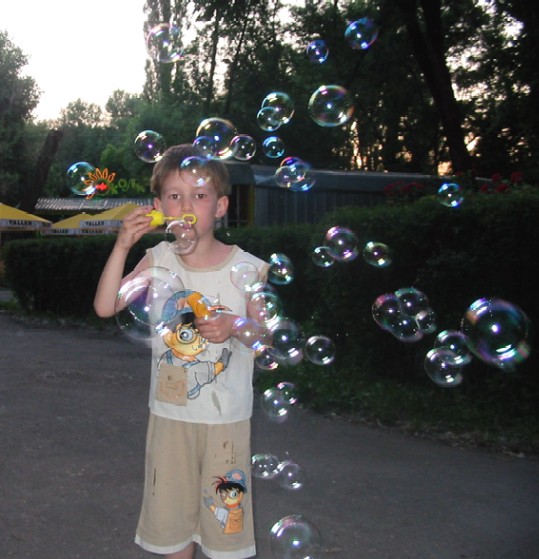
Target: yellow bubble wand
(158,218)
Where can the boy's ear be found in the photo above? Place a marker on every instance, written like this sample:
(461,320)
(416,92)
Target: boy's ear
(222,207)
(157,204)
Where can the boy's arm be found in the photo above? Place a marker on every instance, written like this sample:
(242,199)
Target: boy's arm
(134,226)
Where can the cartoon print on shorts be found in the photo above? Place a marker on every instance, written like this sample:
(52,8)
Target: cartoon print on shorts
(231,487)
(181,367)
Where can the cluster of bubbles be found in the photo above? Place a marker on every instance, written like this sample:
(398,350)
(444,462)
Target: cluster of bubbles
(276,109)
(294,174)
(287,473)
(405,313)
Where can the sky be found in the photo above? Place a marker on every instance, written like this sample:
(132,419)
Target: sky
(78,50)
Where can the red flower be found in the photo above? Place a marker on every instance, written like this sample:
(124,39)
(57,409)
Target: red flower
(502,187)
(496,177)
(516,177)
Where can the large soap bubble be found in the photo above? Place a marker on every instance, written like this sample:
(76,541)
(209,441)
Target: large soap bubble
(497,331)
(342,244)
(456,342)
(163,43)
(317,51)
(281,269)
(361,34)
(287,341)
(150,146)
(243,147)
(441,367)
(181,236)
(295,537)
(320,350)
(290,475)
(141,301)
(264,465)
(377,254)
(282,104)
(222,132)
(331,105)
(79,178)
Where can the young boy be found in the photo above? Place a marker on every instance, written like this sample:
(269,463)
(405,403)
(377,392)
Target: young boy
(197,484)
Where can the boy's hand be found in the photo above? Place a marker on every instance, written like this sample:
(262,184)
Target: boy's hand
(135,224)
(216,330)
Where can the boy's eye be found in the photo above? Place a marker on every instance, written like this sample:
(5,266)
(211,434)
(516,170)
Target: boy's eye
(200,195)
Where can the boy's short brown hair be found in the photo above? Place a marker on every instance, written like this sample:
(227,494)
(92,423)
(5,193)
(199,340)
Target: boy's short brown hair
(172,159)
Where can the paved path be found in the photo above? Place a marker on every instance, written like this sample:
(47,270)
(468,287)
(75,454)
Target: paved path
(72,424)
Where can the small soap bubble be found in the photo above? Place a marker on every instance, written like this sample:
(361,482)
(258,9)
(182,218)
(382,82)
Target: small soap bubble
(441,368)
(497,331)
(281,269)
(79,179)
(342,244)
(141,301)
(317,51)
(290,475)
(273,147)
(295,537)
(321,257)
(163,43)
(207,146)
(450,195)
(287,341)
(406,329)
(265,358)
(264,466)
(196,169)
(244,275)
(412,300)
(150,146)
(250,333)
(457,343)
(288,392)
(361,34)
(282,104)
(320,350)
(243,147)
(330,106)
(267,119)
(222,132)
(274,405)
(386,310)
(426,321)
(378,255)
(181,236)
(265,307)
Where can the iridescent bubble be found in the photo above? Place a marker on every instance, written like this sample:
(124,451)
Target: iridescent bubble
(244,275)
(361,34)
(287,340)
(295,537)
(342,244)
(274,405)
(282,104)
(321,257)
(317,51)
(457,343)
(320,350)
(450,195)
(181,236)
(441,368)
(386,310)
(250,333)
(196,170)
(294,174)
(288,392)
(207,146)
(267,119)
(412,300)
(264,466)
(331,105)
(140,304)
(273,147)
(406,329)
(426,321)
(290,475)
(79,179)
(281,269)
(265,307)
(265,358)
(243,147)
(222,132)
(498,332)
(378,255)
(163,43)
(150,146)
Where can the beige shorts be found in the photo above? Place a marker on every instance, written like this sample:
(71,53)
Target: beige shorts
(197,489)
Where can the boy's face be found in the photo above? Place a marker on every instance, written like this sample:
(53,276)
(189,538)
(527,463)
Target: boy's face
(180,195)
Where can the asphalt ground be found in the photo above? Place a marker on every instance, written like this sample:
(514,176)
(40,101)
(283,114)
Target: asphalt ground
(73,412)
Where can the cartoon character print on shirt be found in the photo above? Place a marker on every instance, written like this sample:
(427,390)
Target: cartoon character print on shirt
(231,487)
(182,371)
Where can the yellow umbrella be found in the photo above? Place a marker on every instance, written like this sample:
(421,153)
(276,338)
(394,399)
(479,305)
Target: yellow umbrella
(109,220)
(13,219)
(71,226)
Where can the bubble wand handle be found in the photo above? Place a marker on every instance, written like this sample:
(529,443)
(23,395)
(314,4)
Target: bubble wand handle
(159,219)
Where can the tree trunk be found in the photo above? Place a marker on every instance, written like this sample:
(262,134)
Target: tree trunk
(38,178)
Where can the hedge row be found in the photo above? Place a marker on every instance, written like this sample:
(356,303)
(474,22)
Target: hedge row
(487,247)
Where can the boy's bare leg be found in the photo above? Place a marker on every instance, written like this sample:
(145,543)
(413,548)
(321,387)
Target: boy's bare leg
(186,553)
